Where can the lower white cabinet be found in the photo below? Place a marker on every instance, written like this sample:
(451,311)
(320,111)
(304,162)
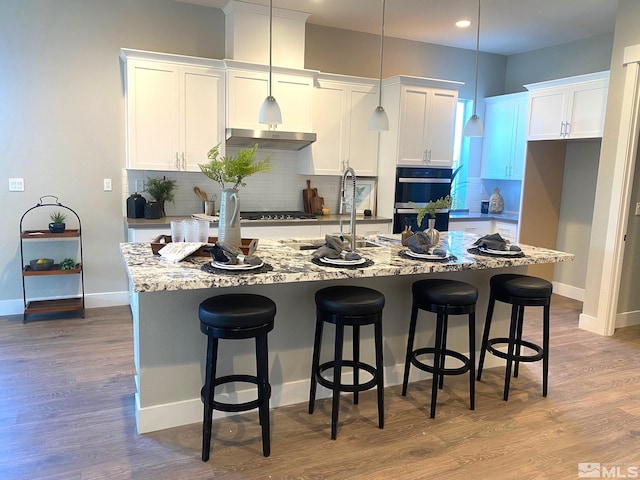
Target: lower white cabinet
(507,230)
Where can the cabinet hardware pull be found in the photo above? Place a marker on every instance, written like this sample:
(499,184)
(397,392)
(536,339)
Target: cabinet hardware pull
(184,162)
(561,129)
(177,164)
(567,129)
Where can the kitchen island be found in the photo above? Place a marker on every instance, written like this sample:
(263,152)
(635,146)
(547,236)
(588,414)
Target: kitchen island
(169,349)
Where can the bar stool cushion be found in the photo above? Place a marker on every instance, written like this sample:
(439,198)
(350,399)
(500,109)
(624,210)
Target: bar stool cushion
(523,286)
(349,300)
(440,291)
(237,311)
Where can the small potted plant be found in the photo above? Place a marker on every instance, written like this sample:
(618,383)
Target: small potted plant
(161,190)
(57,224)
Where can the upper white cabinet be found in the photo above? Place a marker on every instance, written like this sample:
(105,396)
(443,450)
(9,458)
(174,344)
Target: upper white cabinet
(568,108)
(505,136)
(248,86)
(174,110)
(340,112)
(421,118)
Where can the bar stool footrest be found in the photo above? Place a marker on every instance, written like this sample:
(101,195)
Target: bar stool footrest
(464,368)
(518,343)
(360,387)
(237,407)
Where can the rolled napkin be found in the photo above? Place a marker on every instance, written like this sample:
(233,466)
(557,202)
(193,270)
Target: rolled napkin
(495,242)
(419,243)
(334,248)
(439,252)
(224,252)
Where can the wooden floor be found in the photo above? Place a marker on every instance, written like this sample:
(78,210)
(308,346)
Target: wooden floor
(66,412)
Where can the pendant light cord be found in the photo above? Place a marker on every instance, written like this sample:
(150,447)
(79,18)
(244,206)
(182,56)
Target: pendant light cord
(270,42)
(475,92)
(381,54)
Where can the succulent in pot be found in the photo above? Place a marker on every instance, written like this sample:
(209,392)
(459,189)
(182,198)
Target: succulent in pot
(57,224)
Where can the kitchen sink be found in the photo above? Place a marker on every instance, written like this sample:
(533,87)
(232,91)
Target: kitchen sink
(314,245)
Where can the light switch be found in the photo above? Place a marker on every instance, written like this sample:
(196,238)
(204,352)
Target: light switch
(16,184)
(638,209)
(107,184)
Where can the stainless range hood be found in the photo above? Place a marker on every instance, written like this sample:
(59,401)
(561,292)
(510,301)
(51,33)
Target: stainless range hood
(272,139)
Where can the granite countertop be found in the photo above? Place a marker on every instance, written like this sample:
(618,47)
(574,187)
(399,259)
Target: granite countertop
(149,273)
(466,215)
(320,219)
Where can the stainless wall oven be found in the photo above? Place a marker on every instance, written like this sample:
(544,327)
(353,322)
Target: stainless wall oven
(419,185)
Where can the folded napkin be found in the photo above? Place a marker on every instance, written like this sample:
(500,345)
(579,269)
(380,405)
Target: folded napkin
(334,248)
(176,251)
(495,242)
(224,252)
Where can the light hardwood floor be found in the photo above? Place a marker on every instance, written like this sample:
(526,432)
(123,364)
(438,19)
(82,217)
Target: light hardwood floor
(66,412)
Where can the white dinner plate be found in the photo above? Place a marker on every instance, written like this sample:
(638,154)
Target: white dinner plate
(426,256)
(499,252)
(239,266)
(342,261)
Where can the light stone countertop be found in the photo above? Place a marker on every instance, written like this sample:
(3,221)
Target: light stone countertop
(150,273)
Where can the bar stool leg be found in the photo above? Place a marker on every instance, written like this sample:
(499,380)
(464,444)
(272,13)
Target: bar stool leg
(545,348)
(407,361)
(485,335)
(315,364)
(519,339)
(210,374)
(443,350)
(510,350)
(356,359)
(472,360)
(337,378)
(379,372)
(436,362)
(264,392)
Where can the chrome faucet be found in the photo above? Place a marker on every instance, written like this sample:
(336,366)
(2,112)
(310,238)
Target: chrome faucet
(343,200)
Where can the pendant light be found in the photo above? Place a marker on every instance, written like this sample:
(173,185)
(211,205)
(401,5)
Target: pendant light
(379,119)
(474,125)
(270,110)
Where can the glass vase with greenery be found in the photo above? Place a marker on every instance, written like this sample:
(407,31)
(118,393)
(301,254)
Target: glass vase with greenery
(433,207)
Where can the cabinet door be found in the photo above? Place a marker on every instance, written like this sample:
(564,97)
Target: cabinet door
(362,145)
(519,150)
(247,90)
(587,110)
(507,230)
(326,155)
(497,144)
(202,115)
(477,227)
(413,127)
(546,114)
(441,123)
(152,115)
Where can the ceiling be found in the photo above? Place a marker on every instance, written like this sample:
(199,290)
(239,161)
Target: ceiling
(506,26)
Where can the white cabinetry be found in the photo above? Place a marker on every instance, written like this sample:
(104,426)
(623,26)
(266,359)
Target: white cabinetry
(174,110)
(421,118)
(248,86)
(505,136)
(568,108)
(477,227)
(507,230)
(340,112)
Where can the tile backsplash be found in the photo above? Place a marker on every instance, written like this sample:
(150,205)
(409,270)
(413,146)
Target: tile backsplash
(479,189)
(280,189)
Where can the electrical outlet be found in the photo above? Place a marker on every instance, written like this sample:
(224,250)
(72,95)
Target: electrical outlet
(16,184)
(107,184)
(139,185)
(638,209)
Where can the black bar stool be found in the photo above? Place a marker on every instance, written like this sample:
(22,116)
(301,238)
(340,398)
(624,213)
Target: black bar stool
(348,306)
(520,291)
(444,298)
(236,316)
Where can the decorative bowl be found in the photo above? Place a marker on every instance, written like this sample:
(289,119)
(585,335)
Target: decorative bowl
(41,263)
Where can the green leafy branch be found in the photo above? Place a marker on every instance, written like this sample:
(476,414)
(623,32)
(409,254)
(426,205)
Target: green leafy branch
(431,208)
(233,169)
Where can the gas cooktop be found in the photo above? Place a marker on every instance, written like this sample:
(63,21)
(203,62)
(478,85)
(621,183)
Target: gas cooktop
(277,215)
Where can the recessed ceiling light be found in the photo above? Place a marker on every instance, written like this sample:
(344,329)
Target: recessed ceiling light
(463,23)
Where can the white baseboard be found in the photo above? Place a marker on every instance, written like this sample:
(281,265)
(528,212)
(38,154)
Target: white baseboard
(159,417)
(627,319)
(91,300)
(568,291)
